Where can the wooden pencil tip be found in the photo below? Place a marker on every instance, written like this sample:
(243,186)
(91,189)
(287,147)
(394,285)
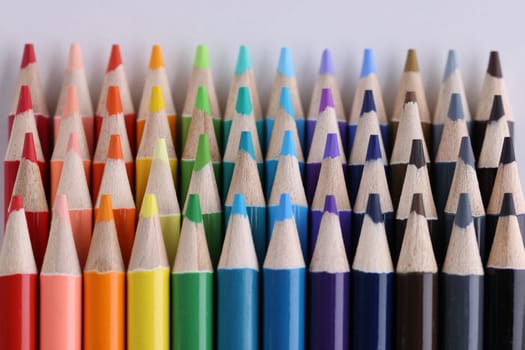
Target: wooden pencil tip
(115,58)
(374,148)
(411,63)
(327,100)
(465,151)
(74,61)
(410,96)
(463,213)
(285,100)
(327,64)
(418,205)
(193,209)
(156,60)
(246,144)
(202,59)
(28,56)
(507,151)
(369,103)
(285,211)
(115,147)
(373,208)
(455,108)
(239,205)
(156,101)
(330,204)
(113,101)
(288,145)
(73,144)
(286,63)
(417,155)
(29,150)
(203,155)
(331,149)
(244,102)
(507,205)
(61,207)
(105,209)
(149,206)
(160,151)
(497,110)
(24,100)
(451,65)
(494,67)
(17,203)
(243,60)
(71,105)
(369,64)
(202,102)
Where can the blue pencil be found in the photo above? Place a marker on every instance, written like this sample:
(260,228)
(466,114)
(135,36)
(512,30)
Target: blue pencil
(284,285)
(238,284)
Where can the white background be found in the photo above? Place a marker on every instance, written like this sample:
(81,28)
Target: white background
(472,27)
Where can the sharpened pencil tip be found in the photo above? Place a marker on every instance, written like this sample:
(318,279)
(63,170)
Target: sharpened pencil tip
(497,110)
(239,205)
(410,96)
(61,207)
(330,204)
(113,101)
(331,149)
(149,206)
(115,147)
(327,64)
(105,209)
(374,148)
(411,63)
(507,151)
(156,60)
(28,56)
(29,150)
(203,155)
(202,59)
(369,103)
(373,208)
(455,108)
(286,67)
(24,100)
(72,143)
(115,58)
(285,211)
(202,102)
(288,145)
(246,144)
(17,203)
(243,60)
(465,151)
(71,105)
(507,205)
(463,213)
(417,154)
(418,205)
(494,67)
(160,151)
(285,100)
(244,101)
(369,63)
(327,100)
(451,65)
(156,101)
(193,210)
(74,61)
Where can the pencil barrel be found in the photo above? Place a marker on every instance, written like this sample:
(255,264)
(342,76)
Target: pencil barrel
(312,171)
(486,178)
(43,125)
(82,227)
(300,214)
(38,226)
(477,135)
(170,226)
(130,120)
(354,174)
(214,235)
(385,135)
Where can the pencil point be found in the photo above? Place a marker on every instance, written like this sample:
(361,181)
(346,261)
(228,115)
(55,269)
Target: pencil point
(451,65)
(246,143)
(465,151)
(497,110)
(507,151)
(369,103)
(463,213)
(285,211)
(494,67)
(244,102)
(71,105)
(17,203)
(418,206)
(149,206)
(330,204)
(410,96)
(373,208)
(24,100)
(115,147)
(203,155)
(160,151)
(72,143)
(411,64)
(331,149)
(202,59)
(156,101)
(28,56)
(61,207)
(29,150)
(327,100)
(374,148)
(202,101)
(243,60)
(74,61)
(288,145)
(285,100)
(455,109)
(115,58)
(286,62)
(369,63)
(113,101)
(507,205)
(239,206)
(327,64)
(156,60)
(193,210)
(417,155)
(105,209)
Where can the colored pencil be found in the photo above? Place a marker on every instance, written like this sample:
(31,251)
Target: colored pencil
(496,130)
(374,180)
(466,181)
(411,81)
(373,283)
(75,75)
(452,83)
(493,84)
(283,121)
(284,285)
(416,181)
(507,181)
(155,127)
(60,286)
(325,80)
(285,77)
(29,76)
(242,120)
(148,284)
(288,180)
(18,283)
(104,285)
(409,130)
(326,124)
(201,77)
(156,76)
(245,180)
(203,183)
(238,285)
(462,285)
(23,123)
(505,283)
(333,183)
(243,76)
(160,183)
(70,123)
(73,184)
(192,285)
(329,285)
(116,76)
(368,80)
(416,285)
(201,122)
(367,126)
(114,182)
(113,123)
(28,184)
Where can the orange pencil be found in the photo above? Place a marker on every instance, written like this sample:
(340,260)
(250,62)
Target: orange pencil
(74,185)
(75,75)
(116,76)
(60,286)
(104,285)
(115,183)
(113,123)
(71,122)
